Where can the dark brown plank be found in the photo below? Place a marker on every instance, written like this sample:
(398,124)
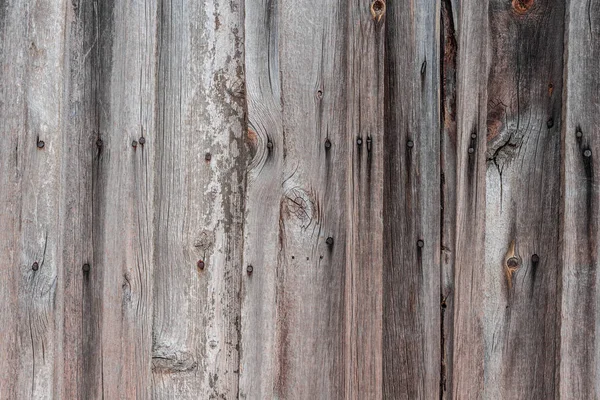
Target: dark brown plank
(411,203)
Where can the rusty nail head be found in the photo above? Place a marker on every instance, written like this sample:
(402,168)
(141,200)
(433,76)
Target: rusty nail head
(142,140)
(134,143)
(329,241)
(40,144)
(359,141)
(513,262)
(410,144)
(35,266)
(249,269)
(587,153)
(471,150)
(535,258)
(420,243)
(86,267)
(200,264)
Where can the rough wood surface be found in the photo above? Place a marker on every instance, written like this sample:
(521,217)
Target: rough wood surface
(579,301)
(292,199)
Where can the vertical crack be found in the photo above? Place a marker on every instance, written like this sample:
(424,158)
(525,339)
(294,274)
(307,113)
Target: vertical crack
(448,46)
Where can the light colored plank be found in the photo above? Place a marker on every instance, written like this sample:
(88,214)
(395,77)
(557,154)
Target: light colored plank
(580,311)
(198,201)
(31,113)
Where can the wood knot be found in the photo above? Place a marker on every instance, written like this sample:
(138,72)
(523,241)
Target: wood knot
(299,206)
(378,9)
(522,6)
(511,264)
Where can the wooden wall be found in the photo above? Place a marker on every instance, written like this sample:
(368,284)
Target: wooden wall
(294,199)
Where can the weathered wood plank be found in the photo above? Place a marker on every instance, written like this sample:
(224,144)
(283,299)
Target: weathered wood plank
(109,241)
(411,203)
(31,114)
(199,168)
(522,259)
(471,95)
(365,49)
(580,318)
(296,103)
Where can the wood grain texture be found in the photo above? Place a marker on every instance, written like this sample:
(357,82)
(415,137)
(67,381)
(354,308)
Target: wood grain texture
(31,114)
(109,269)
(199,167)
(522,258)
(290,199)
(468,324)
(580,319)
(411,203)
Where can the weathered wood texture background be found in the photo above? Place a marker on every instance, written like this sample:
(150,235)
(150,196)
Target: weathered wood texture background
(298,199)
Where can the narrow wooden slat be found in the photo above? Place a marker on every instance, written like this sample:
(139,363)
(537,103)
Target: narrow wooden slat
(580,343)
(471,95)
(411,203)
(31,114)
(365,137)
(200,158)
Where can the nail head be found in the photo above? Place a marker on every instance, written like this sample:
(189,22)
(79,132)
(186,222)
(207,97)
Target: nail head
(207,156)
(142,140)
(35,266)
(327,144)
(86,267)
(329,241)
(99,142)
(134,143)
(420,243)
(200,264)
(587,153)
(471,150)
(535,258)
(40,144)
(359,141)
(550,123)
(410,144)
(249,269)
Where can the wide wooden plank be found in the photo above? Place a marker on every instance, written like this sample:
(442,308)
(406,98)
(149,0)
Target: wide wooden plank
(580,318)
(510,312)
(199,164)
(522,259)
(411,203)
(108,242)
(31,114)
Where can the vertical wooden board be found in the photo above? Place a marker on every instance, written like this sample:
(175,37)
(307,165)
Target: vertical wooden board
(111,103)
(81,350)
(365,49)
(522,259)
(467,339)
(411,205)
(200,159)
(31,112)
(258,353)
(580,344)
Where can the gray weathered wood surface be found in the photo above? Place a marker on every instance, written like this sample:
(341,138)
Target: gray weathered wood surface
(299,200)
